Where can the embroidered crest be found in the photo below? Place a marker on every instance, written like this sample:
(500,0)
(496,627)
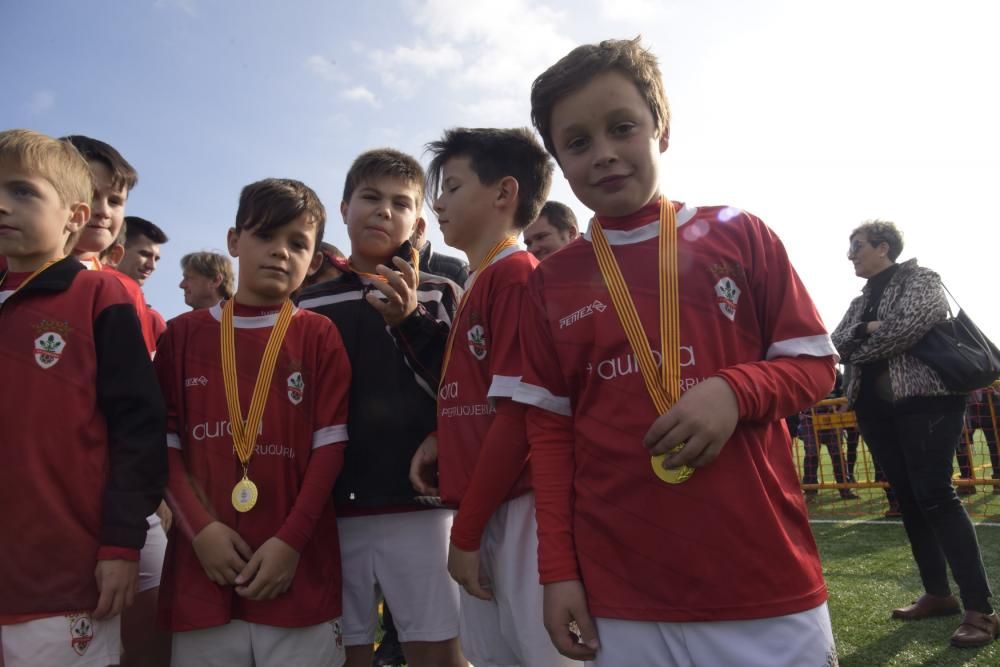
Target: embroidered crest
(81,632)
(338,632)
(477,341)
(296,387)
(48,349)
(727,295)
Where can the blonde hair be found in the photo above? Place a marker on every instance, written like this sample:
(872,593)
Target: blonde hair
(56,161)
(212,265)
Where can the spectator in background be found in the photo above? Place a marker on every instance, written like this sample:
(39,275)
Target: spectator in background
(552,230)
(911,423)
(208,279)
(142,248)
(326,269)
(982,410)
(830,438)
(435,263)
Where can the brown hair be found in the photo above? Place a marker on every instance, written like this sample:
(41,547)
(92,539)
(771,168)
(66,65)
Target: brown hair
(495,154)
(57,162)
(382,162)
(559,216)
(94,150)
(212,265)
(881,231)
(275,202)
(584,63)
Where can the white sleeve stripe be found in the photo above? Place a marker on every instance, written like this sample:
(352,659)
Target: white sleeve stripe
(540,397)
(173,441)
(809,346)
(329,435)
(503,386)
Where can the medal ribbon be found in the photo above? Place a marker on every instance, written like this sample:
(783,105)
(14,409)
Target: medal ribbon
(494,251)
(663,387)
(245,432)
(29,278)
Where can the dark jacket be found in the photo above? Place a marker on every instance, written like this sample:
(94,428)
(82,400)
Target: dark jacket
(395,375)
(443,265)
(911,304)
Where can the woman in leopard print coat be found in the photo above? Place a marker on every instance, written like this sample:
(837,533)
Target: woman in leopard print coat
(912,423)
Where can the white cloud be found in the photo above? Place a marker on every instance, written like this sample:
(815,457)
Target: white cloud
(41,101)
(361,94)
(325,69)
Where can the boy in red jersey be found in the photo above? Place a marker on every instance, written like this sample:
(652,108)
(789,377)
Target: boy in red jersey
(488,185)
(84,462)
(256,424)
(662,351)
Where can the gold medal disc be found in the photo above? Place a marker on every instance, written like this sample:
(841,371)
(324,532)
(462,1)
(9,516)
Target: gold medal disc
(673,475)
(244,495)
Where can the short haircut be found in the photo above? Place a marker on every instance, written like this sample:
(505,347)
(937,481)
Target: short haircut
(137,227)
(57,162)
(881,231)
(559,216)
(493,155)
(123,175)
(212,265)
(582,64)
(382,162)
(275,202)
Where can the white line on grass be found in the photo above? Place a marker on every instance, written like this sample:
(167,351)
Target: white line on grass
(882,522)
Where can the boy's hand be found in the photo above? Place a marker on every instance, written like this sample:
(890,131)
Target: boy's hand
(423,467)
(270,572)
(116,582)
(702,420)
(400,292)
(166,516)
(463,566)
(222,552)
(565,603)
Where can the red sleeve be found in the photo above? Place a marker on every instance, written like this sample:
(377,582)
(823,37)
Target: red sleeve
(552,470)
(501,461)
(317,485)
(505,348)
(333,380)
(772,390)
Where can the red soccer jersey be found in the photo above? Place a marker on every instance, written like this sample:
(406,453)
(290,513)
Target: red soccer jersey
(306,411)
(485,364)
(733,542)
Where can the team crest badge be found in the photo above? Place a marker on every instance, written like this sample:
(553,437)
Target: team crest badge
(338,632)
(81,632)
(296,386)
(477,342)
(51,342)
(727,295)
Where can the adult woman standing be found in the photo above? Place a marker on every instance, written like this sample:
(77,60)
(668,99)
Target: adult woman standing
(912,423)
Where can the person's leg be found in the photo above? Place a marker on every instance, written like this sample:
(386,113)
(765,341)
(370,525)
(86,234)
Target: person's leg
(640,643)
(318,645)
(930,440)
(360,594)
(144,643)
(831,440)
(389,653)
(221,646)
(886,444)
(810,458)
(851,435)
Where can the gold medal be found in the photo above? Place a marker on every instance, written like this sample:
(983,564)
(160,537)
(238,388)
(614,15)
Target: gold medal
(245,432)
(663,386)
(244,495)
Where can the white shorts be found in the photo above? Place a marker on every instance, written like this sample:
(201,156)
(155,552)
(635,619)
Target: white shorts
(508,630)
(242,643)
(151,556)
(804,639)
(75,640)
(405,557)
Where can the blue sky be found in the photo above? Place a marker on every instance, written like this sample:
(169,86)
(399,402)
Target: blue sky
(814,116)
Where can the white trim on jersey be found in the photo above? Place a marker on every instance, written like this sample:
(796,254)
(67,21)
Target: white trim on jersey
(330,299)
(4,295)
(540,397)
(503,386)
(329,435)
(644,233)
(506,252)
(256,322)
(810,346)
(174,441)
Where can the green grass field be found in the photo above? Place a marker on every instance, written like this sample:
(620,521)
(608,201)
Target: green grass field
(869,571)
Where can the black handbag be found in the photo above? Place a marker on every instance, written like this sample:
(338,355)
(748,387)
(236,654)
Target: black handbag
(959,352)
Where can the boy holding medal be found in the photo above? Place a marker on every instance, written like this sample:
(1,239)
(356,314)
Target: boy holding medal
(83,421)
(256,396)
(487,185)
(662,351)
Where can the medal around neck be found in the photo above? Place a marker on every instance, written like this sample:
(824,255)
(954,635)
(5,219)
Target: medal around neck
(244,495)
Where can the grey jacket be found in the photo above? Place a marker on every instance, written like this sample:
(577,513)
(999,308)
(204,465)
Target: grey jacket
(913,302)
